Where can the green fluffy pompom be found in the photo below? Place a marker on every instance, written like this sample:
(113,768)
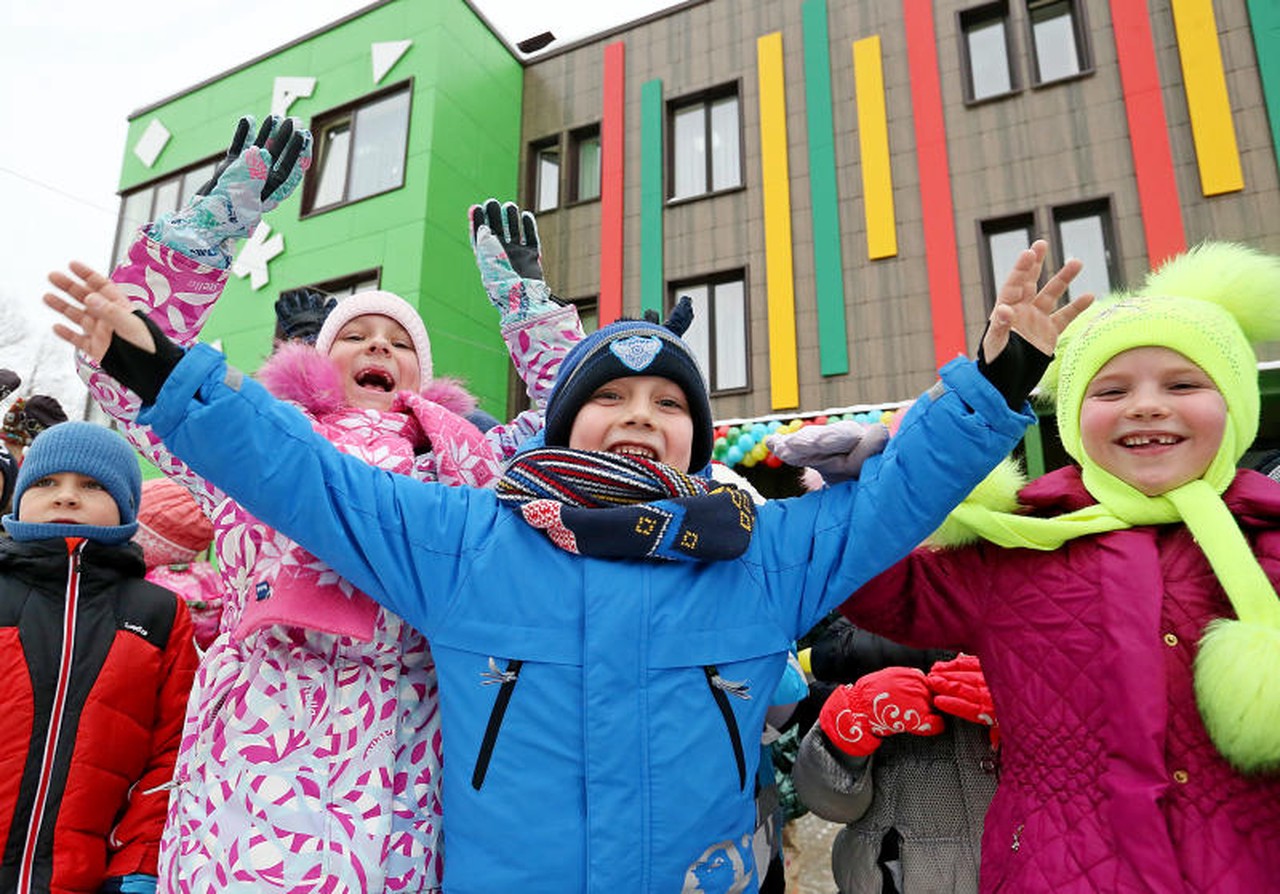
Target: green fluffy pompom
(1237,683)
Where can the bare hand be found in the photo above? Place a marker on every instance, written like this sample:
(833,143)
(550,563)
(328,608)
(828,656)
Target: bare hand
(1020,308)
(99,309)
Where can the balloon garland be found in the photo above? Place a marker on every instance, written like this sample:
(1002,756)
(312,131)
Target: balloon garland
(744,444)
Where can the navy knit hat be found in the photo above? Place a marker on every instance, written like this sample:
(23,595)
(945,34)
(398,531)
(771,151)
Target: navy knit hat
(632,348)
(91,450)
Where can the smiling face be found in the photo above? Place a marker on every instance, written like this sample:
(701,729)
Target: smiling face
(376,358)
(1153,419)
(645,416)
(68,498)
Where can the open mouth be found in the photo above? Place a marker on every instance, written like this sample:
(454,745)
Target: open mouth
(375,379)
(634,450)
(1141,442)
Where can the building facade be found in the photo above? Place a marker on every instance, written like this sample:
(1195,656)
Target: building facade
(415,111)
(837,184)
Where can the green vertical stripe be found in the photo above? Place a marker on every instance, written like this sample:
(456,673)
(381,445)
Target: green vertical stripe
(828,264)
(1264,20)
(652,286)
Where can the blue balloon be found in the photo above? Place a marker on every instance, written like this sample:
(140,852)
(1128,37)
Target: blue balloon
(774,425)
(733,456)
(746,441)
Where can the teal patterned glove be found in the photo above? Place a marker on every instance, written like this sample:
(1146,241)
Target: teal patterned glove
(505,241)
(246,184)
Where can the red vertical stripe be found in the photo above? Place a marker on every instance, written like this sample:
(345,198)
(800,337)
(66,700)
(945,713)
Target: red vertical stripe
(612,154)
(1148,131)
(935,182)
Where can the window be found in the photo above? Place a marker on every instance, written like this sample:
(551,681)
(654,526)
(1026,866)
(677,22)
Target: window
(145,204)
(344,286)
(584,154)
(706,146)
(718,335)
(359,151)
(1085,232)
(544,174)
(1057,40)
(1003,239)
(588,313)
(986,51)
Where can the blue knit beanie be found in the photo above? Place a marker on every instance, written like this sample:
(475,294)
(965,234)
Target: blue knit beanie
(87,449)
(632,348)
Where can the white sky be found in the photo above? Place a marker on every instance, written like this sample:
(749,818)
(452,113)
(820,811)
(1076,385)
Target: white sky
(71,71)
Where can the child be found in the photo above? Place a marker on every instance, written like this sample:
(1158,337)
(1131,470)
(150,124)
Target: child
(1141,722)
(97,665)
(312,744)
(175,536)
(911,786)
(26,418)
(599,667)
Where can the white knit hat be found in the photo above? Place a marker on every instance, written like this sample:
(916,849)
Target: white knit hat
(385,304)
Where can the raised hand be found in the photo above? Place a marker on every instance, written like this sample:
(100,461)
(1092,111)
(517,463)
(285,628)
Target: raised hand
(858,716)
(248,182)
(1023,308)
(836,451)
(96,310)
(509,256)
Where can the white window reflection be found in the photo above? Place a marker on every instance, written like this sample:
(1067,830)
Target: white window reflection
(377,156)
(547,170)
(1003,248)
(718,335)
(1085,237)
(1054,31)
(988,58)
(706,147)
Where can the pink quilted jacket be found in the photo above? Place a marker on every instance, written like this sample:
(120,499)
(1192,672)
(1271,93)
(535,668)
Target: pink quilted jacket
(310,757)
(1109,782)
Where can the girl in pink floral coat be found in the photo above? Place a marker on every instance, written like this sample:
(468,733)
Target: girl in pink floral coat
(311,751)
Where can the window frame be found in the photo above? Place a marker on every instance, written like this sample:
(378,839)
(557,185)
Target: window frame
(336,286)
(1102,207)
(1080,29)
(533,164)
(121,241)
(992,279)
(322,121)
(967,20)
(573,161)
(705,98)
(736,275)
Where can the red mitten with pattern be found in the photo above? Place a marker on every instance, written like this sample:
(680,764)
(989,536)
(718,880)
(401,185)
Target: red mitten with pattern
(857,716)
(959,688)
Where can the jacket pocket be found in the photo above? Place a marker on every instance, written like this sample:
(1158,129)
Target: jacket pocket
(721,689)
(506,679)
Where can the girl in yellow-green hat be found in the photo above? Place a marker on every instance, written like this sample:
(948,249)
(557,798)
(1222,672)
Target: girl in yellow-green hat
(1125,608)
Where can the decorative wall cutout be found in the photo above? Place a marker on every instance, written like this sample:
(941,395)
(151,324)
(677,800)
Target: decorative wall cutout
(286,90)
(152,142)
(386,55)
(257,253)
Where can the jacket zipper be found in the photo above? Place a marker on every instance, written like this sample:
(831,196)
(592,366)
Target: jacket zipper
(38,806)
(718,686)
(507,678)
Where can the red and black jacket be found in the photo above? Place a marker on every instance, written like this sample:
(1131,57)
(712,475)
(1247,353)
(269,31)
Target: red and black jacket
(95,667)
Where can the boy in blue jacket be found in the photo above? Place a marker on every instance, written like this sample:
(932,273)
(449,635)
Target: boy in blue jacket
(607,627)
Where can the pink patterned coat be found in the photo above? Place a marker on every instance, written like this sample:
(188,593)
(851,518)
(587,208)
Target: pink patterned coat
(310,755)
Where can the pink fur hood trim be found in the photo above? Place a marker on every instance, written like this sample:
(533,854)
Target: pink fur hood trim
(301,374)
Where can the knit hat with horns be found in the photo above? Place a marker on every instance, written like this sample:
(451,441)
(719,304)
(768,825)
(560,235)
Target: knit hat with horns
(633,348)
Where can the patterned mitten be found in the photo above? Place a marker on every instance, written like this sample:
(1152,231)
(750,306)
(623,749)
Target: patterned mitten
(959,688)
(505,241)
(857,716)
(836,451)
(248,182)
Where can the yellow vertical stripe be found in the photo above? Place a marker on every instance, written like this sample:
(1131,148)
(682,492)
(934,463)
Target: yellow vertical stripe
(784,382)
(873,140)
(1212,126)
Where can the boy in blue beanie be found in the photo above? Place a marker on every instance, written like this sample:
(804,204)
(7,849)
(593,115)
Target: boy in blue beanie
(97,664)
(606,625)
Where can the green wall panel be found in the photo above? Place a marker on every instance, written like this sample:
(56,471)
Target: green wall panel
(464,145)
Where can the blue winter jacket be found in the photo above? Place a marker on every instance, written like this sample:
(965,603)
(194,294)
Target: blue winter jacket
(600,717)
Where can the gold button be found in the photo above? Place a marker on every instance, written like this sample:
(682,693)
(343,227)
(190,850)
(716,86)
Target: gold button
(1170,639)
(1181,777)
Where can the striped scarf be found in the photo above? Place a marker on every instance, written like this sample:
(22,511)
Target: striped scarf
(626,507)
